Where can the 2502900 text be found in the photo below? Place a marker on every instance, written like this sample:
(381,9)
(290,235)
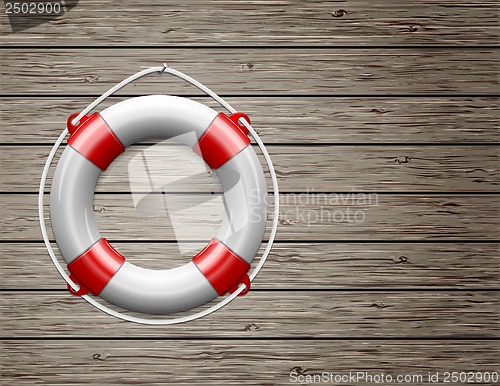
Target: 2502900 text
(33,8)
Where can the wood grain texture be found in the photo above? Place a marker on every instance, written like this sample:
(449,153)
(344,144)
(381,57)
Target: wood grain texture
(411,288)
(383,217)
(244,362)
(298,120)
(274,315)
(304,169)
(296,266)
(255,71)
(223,23)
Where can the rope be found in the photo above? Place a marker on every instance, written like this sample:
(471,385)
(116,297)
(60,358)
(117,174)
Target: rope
(92,106)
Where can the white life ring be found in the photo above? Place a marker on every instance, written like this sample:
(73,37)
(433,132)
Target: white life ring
(96,266)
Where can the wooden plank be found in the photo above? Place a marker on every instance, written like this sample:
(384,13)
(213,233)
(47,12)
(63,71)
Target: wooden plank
(248,362)
(305,168)
(321,216)
(296,266)
(358,22)
(298,120)
(277,315)
(255,71)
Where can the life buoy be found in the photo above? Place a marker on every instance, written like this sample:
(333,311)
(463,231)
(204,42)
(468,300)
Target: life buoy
(222,141)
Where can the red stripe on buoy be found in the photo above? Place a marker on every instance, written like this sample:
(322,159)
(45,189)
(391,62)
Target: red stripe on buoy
(222,267)
(222,140)
(93,139)
(95,267)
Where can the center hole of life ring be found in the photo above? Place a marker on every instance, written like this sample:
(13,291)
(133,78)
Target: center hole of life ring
(175,201)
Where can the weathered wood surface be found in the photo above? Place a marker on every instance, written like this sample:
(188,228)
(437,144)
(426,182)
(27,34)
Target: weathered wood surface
(413,288)
(296,266)
(255,71)
(274,315)
(360,22)
(247,361)
(302,169)
(385,217)
(298,120)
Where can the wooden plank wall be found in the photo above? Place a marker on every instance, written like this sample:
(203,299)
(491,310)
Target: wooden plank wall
(393,98)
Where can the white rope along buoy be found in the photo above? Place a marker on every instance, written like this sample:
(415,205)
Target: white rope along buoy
(165,69)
